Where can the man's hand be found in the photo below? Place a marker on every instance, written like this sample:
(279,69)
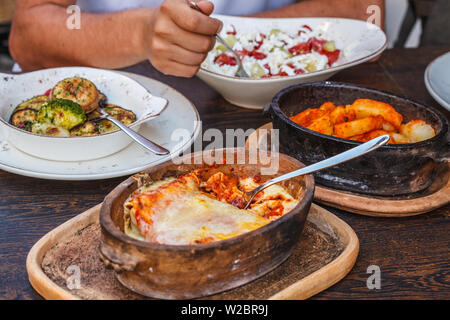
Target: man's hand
(179,37)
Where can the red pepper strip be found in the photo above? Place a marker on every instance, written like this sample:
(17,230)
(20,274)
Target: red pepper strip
(257,55)
(232,32)
(263,36)
(225,59)
(316,44)
(332,56)
(242,53)
(304,47)
(281,74)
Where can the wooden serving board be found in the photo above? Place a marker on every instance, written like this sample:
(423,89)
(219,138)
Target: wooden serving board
(435,196)
(326,252)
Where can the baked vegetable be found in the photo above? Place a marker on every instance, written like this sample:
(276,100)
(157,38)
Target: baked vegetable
(94,115)
(106,126)
(88,128)
(71,108)
(23,118)
(125,116)
(48,129)
(34,103)
(62,113)
(79,90)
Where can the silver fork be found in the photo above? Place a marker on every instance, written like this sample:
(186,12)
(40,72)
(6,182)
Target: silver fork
(330,162)
(241,73)
(143,141)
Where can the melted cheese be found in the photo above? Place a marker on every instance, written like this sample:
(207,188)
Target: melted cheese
(186,210)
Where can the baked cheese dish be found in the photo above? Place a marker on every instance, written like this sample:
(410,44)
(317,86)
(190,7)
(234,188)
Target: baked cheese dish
(189,210)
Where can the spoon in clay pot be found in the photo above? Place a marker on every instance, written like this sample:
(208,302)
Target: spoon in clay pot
(330,162)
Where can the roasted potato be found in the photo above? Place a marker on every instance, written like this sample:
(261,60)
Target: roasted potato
(369,135)
(340,114)
(322,125)
(362,121)
(417,130)
(397,138)
(387,126)
(357,127)
(327,106)
(367,107)
(307,117)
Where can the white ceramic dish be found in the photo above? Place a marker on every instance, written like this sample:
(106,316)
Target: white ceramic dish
(358,40)
(179,114)
(119,90)
(437,80)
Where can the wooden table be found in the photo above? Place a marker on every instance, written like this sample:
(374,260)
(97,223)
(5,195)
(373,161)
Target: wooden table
(413,253)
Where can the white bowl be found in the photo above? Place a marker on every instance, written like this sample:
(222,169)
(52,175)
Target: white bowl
(119,90)
(359,42)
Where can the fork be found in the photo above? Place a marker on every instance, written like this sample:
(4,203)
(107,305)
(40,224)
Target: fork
(241,73)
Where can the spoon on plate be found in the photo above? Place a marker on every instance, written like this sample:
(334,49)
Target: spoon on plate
(147,144)
(241,73)
(330,162)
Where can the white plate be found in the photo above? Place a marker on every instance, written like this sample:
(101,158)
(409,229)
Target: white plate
(118,89)
(359,41)
(437,80)
(179,114)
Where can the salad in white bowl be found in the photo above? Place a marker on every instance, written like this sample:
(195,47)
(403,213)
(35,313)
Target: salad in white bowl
(279,52)
(276,53)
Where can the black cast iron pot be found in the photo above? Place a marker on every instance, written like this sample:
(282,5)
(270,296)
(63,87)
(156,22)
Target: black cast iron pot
(390,170)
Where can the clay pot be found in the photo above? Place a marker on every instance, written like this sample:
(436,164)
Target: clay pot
(390,170)
(190,271)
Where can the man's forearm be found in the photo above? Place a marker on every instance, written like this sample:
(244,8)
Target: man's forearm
(354,9)
(40,38)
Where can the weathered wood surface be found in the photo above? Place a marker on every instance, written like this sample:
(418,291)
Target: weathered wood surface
(412,253)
